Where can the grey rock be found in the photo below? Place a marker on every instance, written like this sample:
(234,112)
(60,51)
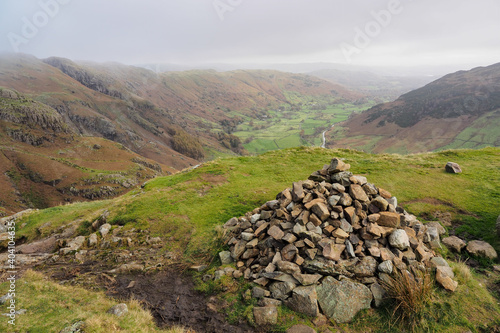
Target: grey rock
(320,266)
(333,200)
(452,167)
(440,229)
(379,294)
(297,192)
(342,178)
(239,249)
(304,300)
(247,236)
(254,218)
(288,267)
(350,249)
(454,243)
(342,300)
(219,274)
(258,292)
(78,327)
(399,239)
(93,240)
(281,290)
(366,267)
(119,310)
(266,301)
(393,201)
(481,249)
(232,222)
(439,261)
(225,257)
(267,315)
(307,279)
(385,267)
(104,229)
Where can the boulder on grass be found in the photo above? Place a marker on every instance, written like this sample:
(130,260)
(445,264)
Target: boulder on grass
(481,249)
(452,167)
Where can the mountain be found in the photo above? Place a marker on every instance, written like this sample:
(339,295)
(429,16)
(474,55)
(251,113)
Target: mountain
(44,162)
(55,110)
(460,110)
(161,115)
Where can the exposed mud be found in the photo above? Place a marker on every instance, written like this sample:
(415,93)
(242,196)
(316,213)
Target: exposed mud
(172,300)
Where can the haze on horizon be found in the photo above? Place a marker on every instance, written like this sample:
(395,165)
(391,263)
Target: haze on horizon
(384,33)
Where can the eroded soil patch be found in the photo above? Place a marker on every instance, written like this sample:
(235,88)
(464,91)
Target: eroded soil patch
(171,298)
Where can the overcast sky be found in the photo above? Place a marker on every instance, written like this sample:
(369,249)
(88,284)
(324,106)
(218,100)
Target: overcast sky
(460,33)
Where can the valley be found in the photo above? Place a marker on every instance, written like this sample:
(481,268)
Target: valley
(124,178)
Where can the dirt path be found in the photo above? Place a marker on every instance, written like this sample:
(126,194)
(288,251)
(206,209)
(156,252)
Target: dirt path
(171,298)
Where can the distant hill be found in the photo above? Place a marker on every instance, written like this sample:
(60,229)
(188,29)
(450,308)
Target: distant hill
(460,110)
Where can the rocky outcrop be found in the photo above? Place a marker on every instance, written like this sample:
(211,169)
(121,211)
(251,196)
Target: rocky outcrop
(24,111)
(86,77)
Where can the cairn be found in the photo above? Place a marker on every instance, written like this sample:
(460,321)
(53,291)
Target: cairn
(324,244)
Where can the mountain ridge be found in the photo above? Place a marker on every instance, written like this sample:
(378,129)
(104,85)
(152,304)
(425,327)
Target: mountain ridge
(459,110)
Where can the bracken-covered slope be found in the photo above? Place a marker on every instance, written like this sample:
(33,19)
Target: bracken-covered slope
(44,162)
(174,118)
(460,110)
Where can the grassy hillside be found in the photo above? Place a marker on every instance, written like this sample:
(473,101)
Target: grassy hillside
(190,205)
(186,209)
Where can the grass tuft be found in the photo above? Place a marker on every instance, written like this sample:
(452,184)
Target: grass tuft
(410,294)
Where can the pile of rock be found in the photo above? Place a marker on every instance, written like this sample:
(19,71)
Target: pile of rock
(323,245)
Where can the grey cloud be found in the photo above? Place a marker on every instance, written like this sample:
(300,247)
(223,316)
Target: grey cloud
(191,31)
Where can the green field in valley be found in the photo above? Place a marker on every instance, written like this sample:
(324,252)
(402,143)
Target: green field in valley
(293,126)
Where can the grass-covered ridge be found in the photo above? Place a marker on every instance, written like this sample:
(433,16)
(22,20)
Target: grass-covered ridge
(186,207)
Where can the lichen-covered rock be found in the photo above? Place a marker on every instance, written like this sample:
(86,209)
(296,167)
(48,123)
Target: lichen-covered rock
(342,300)
(304,300)
(399,239)
(119,310)
(267,315)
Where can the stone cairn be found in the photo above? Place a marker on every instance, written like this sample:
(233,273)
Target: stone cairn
(323,245)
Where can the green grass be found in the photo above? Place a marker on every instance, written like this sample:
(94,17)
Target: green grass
(188,207)
(470,307)
(51,307)
(481,133)
(283,127)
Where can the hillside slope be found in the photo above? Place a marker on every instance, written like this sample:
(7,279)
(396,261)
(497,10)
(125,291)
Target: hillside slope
(185,209)
(44,162)
(161,115)
(460,110)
